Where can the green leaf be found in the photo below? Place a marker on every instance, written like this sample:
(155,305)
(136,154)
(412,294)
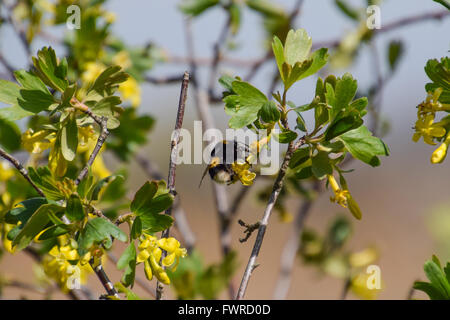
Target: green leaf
(9,92)
(127,261)
(43,178)
(24,210)
(445,3)
(99,231)
(346,9)
(101,185)
(299,157)
(196,7)
(344,93)
(49,70)
(74,208)
(430,290)
(278,52)
(106,83)
(34,225)
(439,73)
(342,126)
(269,112)
(35,101)
(156,222)
(30,81)
(143,198)
(304,173)
(319,60)
(10,135)
(297,46)
(395,52)
(437,278)
(107,108)
(363,146)
(159,204)
(128,293)
(285,136)
(69,138)
(54,232)
(321,166)
(292,75)
(244,105)
(136,229)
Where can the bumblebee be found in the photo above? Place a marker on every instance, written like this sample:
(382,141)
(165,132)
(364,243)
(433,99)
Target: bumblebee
(226,157)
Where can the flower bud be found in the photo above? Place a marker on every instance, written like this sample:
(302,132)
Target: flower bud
(439,154)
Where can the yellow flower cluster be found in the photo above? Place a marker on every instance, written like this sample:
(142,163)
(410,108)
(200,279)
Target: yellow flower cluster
(37,142)
(244,174)
(151,251)
(344,198)
(430,130)
(65,266)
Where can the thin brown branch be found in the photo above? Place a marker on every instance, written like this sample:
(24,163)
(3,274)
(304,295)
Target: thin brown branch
(16,163)
(249,229)
(202,101)
(173,161)
(278,185)
(181,222)
(102,121)
(403,22)
(100,141)
(164,80)
(104,279)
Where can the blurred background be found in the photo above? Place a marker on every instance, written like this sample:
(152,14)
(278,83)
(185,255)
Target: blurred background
(405,201)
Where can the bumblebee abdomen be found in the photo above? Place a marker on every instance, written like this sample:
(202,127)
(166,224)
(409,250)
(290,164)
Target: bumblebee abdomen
(222,173)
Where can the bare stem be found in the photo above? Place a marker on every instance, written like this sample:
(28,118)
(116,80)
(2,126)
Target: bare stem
(102,121)
(103,277)
(278,185)
(21,169)
(173,161)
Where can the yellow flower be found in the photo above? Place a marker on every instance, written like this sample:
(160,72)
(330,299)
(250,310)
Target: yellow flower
(130,90)
(7,244)
(36,142)
(151,253)
(359,287)
(363,258)
(63,264)
(172,246)
(6,172)
(344,198)
(432,104)
(92,71)
(440,153)
(245,176)
(122,59)
(284,215)
(110,17)
(57,163)
(429,130)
